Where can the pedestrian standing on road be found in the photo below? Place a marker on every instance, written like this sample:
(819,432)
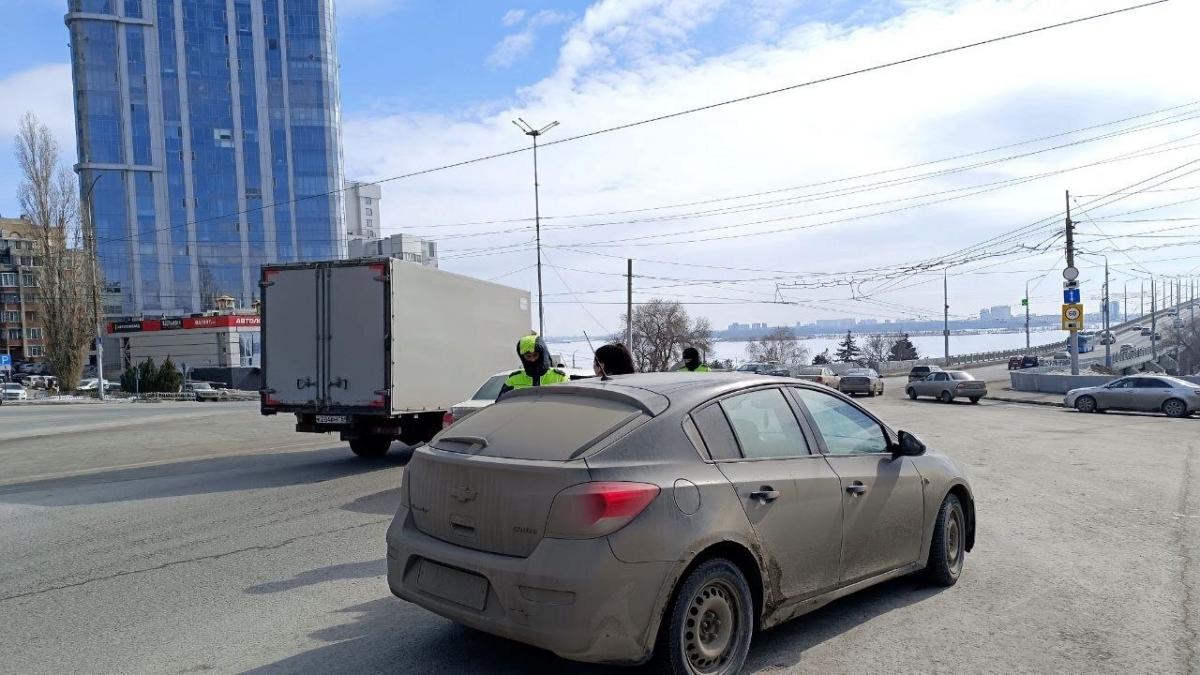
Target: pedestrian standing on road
(692,363)
(536,369)
(613,359)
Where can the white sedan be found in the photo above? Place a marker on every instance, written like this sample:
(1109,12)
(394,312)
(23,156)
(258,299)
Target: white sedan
(13,391)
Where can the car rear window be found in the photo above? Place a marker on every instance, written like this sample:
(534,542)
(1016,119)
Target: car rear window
(556,428)
(960,375)
(490,389)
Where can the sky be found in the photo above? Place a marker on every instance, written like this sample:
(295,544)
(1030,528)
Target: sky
(846,198)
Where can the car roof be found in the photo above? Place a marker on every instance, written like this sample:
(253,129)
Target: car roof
(656,392)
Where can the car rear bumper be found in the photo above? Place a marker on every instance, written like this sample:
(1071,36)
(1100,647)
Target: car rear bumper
(970,393)
(855,388)
(572,597)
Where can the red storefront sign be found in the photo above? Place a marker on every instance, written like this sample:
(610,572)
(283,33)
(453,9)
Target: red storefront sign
(223,321)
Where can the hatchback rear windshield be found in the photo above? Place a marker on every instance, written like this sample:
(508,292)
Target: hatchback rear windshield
(556,428)
(490,389)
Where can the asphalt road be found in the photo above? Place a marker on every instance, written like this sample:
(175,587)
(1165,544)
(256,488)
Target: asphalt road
(204,538)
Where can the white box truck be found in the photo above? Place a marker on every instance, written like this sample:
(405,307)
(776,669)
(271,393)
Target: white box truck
(378,349)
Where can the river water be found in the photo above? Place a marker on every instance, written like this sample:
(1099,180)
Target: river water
(927,345)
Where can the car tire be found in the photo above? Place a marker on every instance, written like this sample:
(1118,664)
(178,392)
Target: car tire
(912,393)
(1174,407)
(713,598)
(370,446)
(1086,404)
(947,550)
(975,399)
(946,397)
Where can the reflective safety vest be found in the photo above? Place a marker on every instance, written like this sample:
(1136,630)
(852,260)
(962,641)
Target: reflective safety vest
(699,369)
(519,379)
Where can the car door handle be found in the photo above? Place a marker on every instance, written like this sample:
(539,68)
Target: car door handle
(766,494)
(856,488)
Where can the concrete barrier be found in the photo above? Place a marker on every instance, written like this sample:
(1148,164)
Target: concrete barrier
(1054,383)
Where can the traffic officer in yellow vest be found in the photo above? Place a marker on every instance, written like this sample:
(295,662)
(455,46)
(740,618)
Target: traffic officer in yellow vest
(536,368)
(691,361)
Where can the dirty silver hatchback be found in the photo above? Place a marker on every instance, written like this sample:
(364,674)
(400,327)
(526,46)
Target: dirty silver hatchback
(668,517)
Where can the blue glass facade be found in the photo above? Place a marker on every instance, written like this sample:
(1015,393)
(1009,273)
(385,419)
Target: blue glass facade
(210,129)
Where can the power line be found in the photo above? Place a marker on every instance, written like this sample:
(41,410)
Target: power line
(711,106)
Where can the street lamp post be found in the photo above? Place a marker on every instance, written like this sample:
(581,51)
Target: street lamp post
(533,133)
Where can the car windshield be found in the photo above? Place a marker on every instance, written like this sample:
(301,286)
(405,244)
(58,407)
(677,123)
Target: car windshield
(749,367)
(201,385)
(490,389)
(960,375)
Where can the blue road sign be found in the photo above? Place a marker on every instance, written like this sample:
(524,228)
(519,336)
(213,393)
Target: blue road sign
(5,361)
(1070,296)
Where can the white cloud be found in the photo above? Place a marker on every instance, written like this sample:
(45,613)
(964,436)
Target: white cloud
(633,59)
(46,91)
(515,46)
(512,17)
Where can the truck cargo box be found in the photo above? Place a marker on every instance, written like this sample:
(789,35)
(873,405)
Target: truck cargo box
(380,336)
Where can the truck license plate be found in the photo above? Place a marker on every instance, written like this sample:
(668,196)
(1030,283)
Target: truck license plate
(331,419)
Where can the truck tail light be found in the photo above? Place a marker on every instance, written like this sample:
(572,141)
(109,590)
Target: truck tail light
(591,510)
(447,419)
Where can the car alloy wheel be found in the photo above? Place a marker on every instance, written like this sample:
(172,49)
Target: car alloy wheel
(1175,408)
(1085,404)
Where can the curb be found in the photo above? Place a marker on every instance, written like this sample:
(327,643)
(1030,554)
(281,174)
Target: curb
(1026,401)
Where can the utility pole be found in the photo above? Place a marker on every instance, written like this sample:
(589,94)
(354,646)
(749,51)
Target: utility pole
(629,304)
(533,133)
(946,313)
(1027,315)
(1141,298)
(1073,339)
(1125,305)
(90,235)
(1107,320)
(1153,321)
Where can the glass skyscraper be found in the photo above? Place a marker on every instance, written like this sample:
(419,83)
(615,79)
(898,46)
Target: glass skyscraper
(209,136)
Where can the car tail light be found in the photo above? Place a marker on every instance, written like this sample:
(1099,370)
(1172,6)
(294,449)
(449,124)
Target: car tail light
(591,510)
(447,419)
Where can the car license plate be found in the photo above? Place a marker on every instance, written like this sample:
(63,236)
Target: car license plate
(463,588)
(332,419)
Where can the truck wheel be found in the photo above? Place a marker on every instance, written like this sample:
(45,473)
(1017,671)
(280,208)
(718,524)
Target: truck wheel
(370,446)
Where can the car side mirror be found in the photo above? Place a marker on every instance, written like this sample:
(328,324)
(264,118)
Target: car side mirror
(908,446)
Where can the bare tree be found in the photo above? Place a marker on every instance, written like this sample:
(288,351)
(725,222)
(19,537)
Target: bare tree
(661,331)
(49,197)
(778,346)
(878,348)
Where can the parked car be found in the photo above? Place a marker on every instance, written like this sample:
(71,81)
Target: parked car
(637,532)
(947,386)
(755,367)
(920,372)
(91,383)
(1159,393)
(818,374)
(41,382)
(1021,362)
(12,391)
(205,391)
(861,381)
(490,390)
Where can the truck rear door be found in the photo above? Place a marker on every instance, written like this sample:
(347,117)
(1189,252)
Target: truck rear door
(290,336)
(358,318)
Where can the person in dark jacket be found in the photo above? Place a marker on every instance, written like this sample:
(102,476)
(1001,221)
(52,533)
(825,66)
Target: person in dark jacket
(691,361)
(536,369)
(613,359)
